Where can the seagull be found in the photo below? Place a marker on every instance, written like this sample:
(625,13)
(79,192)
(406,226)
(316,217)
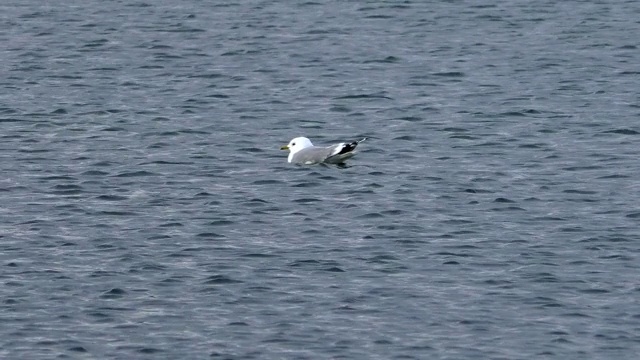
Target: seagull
(302,152)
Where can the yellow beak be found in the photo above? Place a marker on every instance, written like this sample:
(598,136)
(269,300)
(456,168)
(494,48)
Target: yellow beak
(286,147)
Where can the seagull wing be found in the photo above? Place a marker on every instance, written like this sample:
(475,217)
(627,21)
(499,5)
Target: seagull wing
(341,152)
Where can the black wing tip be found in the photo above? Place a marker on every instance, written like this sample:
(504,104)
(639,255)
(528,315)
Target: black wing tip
(347,148)
(355,143)
(350,146)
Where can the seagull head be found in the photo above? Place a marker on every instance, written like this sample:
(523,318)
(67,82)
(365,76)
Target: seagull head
(297,144)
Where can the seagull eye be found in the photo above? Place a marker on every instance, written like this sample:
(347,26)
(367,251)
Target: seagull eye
(293,144)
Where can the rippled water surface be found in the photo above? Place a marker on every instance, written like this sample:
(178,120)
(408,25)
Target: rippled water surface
(146,211)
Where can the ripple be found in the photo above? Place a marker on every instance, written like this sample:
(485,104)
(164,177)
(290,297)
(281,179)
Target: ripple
(306,200)
(114,293)
(135,174)
(622,131)
(220,280)
(111,197)
(454,74)
(373,215)
(117,213)
(210,235)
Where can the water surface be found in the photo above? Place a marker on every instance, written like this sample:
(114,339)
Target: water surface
(146,210)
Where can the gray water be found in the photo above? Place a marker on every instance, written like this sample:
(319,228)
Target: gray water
(146,210)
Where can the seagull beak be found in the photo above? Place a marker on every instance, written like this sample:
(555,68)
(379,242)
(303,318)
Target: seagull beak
(286,147)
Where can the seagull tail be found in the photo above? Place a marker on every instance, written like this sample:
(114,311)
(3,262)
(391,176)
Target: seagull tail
(349,147)
(353,145)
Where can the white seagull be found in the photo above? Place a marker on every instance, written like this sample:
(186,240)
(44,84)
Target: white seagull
(302,151)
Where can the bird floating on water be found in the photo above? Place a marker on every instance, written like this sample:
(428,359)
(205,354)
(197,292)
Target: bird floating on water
(303,152)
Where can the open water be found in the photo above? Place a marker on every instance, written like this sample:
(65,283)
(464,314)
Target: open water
(146,211)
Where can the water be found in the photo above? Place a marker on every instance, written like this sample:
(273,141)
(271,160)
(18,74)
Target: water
(146,210)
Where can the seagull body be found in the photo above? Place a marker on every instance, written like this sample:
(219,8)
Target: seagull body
(302,151)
